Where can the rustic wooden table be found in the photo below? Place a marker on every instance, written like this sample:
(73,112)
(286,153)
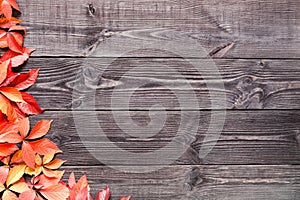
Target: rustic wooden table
(256,47)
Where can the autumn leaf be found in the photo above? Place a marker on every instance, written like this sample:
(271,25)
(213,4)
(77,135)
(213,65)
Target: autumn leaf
(103,194)
(8,23)
(6,7)
(125,198)
(55,192)
(17,59)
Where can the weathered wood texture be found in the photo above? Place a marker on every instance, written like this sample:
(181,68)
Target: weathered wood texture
(260,29)
(248,84)
(257,155)
(230,182)
(261,137)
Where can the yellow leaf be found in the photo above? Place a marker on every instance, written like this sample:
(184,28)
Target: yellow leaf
(47,158)
(55,164)
(19,187)
(2,187)
(8,195)
(12,94)
(15,174)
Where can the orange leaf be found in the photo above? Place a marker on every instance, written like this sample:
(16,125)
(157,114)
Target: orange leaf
(23,126)
(15,174)
(125,198)
(7,109)
(44,146)
(28,155)
(11,137)
(55,192)
(12,94)
(40,129)
(6,9)
(53,174)
(3,71)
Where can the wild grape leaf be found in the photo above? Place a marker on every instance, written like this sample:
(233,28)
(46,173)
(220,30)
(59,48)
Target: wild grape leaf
(103,194)
(6,7)
(17,59)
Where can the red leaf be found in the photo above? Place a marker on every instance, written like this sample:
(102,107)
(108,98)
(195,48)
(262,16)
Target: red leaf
(7,108)
(28,155)
(12,94)
(30,106)
(44,146)
(24,81)
(17,59)
(103,194)
(7,149)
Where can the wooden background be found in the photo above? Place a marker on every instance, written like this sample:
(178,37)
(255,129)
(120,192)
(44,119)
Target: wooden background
(254,43)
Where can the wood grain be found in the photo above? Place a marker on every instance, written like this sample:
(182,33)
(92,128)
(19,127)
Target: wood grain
(260,137)
(255,182)
(248,84)
(258,29)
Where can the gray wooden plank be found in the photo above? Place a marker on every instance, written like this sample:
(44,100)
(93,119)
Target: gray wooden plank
(248,137)
(233,182)
(259,29)
(248,84)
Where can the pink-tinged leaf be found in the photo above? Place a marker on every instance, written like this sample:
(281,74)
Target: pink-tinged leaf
(24,81)
(103,194)
(55,192)
(14,43)
(7,149)
(14,4)
(82,194)
(3,71)
(72,180)
(28,155)
(40,129)
(3,173)
(17,59)
(29,106)
(11,137)
(12,94)
(6,9)
(23,127)
(44,146)
(28,195)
